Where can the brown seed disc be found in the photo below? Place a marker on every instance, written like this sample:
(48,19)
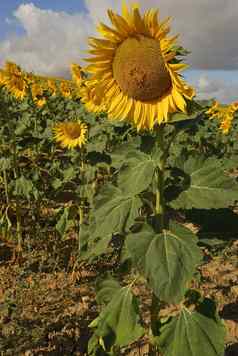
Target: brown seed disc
(139,69)
(73,131)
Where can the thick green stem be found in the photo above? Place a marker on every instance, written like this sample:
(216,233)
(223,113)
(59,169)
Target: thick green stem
(159,206)
(160,213)
(82,198)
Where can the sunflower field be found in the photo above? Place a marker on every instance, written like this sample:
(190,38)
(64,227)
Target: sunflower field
(119,203)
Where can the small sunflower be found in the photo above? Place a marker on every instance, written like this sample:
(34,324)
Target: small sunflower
(51,86)
(92,96)
(76,72)
(65,89)
(38,95)
(224,113)
(136,66)
(2,82)
(225,125)
(71,134)
(15,80)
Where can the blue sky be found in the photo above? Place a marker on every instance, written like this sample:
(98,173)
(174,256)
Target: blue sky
(7,7)
(46,36)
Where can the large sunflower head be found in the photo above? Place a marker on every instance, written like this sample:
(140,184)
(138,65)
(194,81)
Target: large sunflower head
(71,134)
(135,64)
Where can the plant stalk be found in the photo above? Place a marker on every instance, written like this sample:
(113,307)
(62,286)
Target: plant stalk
(160,213)
(6,185)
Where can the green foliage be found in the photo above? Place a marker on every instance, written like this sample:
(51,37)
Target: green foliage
(107,196)
(114,211)
(64,222)
(197,332)
(120,318)
(168,259)
(23,187)
(137,173)
(204,185)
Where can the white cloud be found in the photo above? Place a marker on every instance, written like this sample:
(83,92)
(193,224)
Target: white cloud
(208,27)
(52,40)
(223,91)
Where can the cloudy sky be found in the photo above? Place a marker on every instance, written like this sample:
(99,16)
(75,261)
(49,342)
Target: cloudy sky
(46,36)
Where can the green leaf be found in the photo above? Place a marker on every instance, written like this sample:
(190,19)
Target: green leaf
(69,174)
(192,334)
(64,223)
(138,244)
(57,183)
(168,259)
(182,117)
(108,288)
(122,151)
(97,246)
(5,163)
(115,212)
(206,185)
(121,317)
(136,174)
(23,187)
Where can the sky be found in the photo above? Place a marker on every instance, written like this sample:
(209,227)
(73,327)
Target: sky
(45,36)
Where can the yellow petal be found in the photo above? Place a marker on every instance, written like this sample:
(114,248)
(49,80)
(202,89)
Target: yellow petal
(137,111)
(120,23)
(110,33)
(178,66)
(138,22)
(115,102)
(179,100)
(101,43)
(165,108)
(128,107)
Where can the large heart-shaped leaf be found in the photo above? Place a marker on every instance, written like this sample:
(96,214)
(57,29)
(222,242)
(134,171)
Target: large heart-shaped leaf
(115,212)
(208,186)
(121,317)
(192,334)
(168,259)
(136,174)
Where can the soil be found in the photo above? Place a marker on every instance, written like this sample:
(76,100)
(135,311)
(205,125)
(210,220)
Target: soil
(47,301)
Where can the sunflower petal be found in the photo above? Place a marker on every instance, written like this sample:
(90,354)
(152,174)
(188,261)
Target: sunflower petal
(179,100)
(120,23)
(139,23)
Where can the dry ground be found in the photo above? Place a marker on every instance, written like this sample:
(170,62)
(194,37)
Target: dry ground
(45,307)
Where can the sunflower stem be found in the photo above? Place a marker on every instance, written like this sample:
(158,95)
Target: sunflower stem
(160,224)
(6,185)
(82,197)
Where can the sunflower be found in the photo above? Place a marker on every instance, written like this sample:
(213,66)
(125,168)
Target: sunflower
(51,86)
(71,134)
(224,113)
(38,95)
(2,82)
(136,66)
(92,96)
(15,80)
(65,89)
(76,72)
